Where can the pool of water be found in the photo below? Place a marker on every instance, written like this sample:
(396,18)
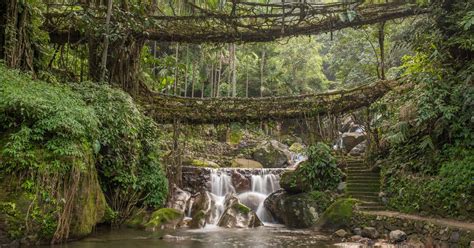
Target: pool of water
(268,236)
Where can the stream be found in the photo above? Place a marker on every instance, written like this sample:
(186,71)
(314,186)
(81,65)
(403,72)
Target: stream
(267,236)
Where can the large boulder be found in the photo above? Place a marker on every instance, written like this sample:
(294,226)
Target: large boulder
(237,215)
(297,211)
(338,215)
(178,199)
(201,202)
(359,149)
(164,218)
(350,140)
(272,154)
(246,163)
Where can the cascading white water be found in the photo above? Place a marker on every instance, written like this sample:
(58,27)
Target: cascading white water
(262,185)
(221,184)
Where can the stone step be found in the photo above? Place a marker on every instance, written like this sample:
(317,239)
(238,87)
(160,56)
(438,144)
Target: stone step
(358,183)
(351,175)
(359,170)
(369,188)
(368,198)
(363,180)
(362,192)
(362,173)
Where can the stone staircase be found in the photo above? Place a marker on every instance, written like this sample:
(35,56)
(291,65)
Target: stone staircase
(363,184)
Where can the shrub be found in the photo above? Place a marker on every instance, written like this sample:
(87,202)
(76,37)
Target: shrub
(319,172)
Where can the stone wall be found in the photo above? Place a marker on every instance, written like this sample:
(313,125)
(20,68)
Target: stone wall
(426,233)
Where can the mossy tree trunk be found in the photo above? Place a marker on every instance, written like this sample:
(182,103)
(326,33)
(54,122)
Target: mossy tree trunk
(16,43)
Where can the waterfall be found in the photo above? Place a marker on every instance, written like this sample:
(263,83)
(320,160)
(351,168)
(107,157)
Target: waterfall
(263,183)
(221,185)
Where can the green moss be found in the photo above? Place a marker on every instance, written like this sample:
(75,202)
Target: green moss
(203,163)
(164,216)
(138,220)
(235,137)
(241,208)
(337,215)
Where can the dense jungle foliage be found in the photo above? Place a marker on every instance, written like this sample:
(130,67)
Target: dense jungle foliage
(428,166)
(54,134)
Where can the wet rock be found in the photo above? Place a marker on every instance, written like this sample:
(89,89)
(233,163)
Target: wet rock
(355,238)
(246,163)
(201,202)
(272,154)
(370,232)
(198,219)
(297,211)
(241,183)
(341,233)
(237,215)
(164,218)
(357,231)
(397,236)
(252,199)
(179,199)
(350,140)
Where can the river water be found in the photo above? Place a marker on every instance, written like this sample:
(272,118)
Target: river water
(268,236)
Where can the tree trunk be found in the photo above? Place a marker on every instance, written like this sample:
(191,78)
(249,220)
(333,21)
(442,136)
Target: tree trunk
(186,72)
(262,64)
(193,80)
(247,84)
(175,87)
(219,75)
(382,52)
(16,45)
(211,81)
(234,72)
(103,63)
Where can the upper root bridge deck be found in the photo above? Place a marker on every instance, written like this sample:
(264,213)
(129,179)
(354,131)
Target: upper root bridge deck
(245,22)
(167,109)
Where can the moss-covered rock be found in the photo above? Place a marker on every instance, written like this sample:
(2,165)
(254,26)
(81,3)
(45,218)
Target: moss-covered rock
(246,163)
(90,205)
(237,215)
(337,215)
(272,154)
(297,211)
(296,147)
(138,220)
(164,218)
(203,163)
(198,219)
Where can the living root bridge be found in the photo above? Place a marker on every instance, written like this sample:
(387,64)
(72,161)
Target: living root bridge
(253,24)
(166,109)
